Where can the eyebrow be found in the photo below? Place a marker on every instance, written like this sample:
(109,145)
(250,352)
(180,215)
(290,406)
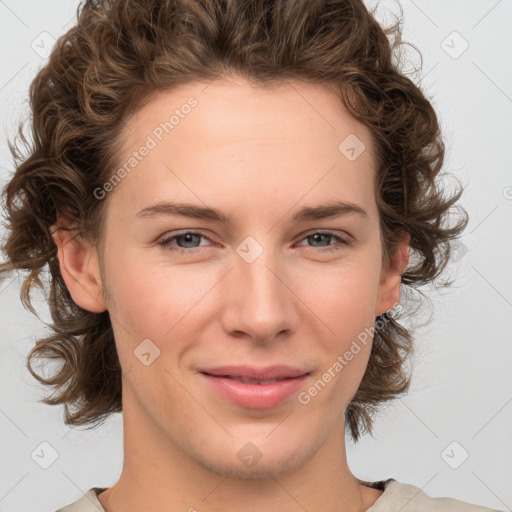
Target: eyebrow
(307,213)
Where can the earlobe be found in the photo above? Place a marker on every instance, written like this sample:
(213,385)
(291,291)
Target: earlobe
(79,267)
(389,287)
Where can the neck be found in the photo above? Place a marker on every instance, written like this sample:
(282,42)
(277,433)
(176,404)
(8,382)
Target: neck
(158,475)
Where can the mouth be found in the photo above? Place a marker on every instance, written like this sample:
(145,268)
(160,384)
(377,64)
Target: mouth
(255,388)
(268,373)
(246,380)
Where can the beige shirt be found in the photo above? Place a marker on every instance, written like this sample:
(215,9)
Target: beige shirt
(396,497)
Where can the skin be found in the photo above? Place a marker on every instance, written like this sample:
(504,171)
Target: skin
(259,155)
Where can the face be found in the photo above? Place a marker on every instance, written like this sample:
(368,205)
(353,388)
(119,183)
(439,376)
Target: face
(261,287)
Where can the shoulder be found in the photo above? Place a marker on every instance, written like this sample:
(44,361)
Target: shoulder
(409,498)
(89,502)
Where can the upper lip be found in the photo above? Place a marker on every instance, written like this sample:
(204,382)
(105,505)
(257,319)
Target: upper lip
(251,372)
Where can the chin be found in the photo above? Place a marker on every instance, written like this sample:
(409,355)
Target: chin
(257,456)
(277,465)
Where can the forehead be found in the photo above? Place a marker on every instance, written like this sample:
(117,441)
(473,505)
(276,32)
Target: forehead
(232,110)
(286,140)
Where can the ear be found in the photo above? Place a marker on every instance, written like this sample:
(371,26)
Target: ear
(79,266)
(389,286)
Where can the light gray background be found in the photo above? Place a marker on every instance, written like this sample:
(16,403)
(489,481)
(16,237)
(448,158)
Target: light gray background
(461,390)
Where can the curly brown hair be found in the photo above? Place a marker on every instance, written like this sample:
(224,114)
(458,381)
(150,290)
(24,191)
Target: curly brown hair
(110,63)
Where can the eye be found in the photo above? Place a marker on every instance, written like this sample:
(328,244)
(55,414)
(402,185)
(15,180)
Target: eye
(190,237)
(186,241)
(317,235)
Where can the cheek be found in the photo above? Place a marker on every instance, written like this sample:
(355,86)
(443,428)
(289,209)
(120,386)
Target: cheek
(154,300)
(343,296)
(345,301)
(347,309)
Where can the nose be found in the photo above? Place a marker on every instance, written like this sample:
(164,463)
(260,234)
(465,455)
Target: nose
(260,303)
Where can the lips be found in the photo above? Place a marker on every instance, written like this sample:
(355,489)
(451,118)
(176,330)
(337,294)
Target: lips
(256,388)
(253,375)
(252,381)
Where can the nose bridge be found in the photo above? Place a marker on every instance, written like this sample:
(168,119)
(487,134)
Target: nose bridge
(260,303)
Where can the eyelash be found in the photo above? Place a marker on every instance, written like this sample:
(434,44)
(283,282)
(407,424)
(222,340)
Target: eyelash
(166,242)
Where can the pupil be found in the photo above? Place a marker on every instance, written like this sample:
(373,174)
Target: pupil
(317,237)
(187,237)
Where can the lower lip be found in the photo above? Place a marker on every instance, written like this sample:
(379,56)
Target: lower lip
(255,396)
